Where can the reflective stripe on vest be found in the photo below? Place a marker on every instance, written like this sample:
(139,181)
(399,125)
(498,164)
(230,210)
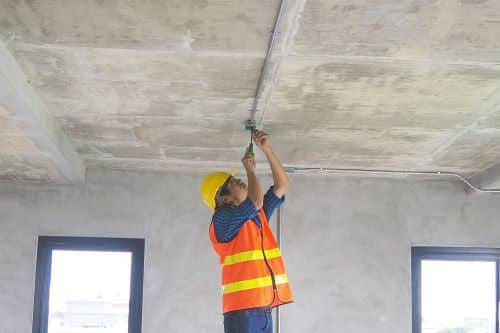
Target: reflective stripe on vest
(251,255)
(253,283)
(250,263)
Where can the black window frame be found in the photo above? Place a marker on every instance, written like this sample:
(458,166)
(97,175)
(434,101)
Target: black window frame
(419,253)
(46,244)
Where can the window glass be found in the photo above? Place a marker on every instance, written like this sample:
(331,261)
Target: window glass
(458,296)
(89,292)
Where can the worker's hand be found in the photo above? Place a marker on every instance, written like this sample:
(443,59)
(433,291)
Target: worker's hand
(249,162)
(261,139)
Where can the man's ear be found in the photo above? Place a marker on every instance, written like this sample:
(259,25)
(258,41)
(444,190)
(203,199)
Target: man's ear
(225,200)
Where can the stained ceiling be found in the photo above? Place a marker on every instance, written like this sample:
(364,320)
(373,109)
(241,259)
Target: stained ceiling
(161,85)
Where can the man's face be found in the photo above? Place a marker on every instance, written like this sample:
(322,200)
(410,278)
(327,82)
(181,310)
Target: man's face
(235,192)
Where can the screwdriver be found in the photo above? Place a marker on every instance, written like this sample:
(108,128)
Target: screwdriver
(250,146)
(250,125)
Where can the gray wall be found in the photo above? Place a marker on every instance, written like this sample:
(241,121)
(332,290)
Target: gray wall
(346,245)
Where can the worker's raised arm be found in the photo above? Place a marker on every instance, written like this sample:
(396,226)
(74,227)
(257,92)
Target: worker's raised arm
(254,190)
(280,177)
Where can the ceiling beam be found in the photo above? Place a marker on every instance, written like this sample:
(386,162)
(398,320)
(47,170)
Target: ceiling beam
(489,178)
(20,100)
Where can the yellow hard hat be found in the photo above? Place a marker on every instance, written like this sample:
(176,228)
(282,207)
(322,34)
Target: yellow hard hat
(211,184)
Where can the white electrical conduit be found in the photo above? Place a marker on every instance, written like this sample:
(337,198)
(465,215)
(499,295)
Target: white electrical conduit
(291,169)
(264,70)
(251,124)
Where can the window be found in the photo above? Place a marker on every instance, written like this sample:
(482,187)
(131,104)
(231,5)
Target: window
(455,290)
(88,285)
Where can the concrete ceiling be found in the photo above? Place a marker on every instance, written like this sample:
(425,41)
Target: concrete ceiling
(160,85)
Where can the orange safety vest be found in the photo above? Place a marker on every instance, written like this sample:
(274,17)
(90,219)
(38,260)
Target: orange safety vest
(253,273)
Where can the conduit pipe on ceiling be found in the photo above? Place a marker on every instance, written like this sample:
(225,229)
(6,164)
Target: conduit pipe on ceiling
(293,169)
(264,69)
(250,125)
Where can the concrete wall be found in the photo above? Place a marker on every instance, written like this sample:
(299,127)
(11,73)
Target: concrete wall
(346,244)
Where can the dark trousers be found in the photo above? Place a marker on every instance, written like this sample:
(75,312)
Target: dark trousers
(249,321)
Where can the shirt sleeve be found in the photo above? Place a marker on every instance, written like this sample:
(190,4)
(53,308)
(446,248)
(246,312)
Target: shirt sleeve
(229,220)
(271,202)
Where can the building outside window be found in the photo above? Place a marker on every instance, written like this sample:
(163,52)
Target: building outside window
(88,285)
(455,290)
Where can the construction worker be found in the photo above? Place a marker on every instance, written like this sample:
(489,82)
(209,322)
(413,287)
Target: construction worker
(254,279)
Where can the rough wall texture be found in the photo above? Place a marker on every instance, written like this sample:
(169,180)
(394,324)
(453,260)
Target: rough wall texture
(346,244)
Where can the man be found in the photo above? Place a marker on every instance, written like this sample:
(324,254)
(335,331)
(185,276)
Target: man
(254,279)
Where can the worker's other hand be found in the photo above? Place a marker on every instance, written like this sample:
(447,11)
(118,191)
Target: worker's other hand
(249,162)
(261,139)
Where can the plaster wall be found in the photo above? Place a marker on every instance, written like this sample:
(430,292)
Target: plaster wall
(346,242)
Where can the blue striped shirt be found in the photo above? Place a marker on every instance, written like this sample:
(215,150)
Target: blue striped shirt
(229,220)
